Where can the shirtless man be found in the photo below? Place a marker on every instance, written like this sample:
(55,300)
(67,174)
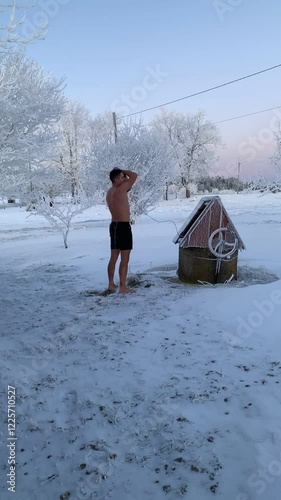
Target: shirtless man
(120,227)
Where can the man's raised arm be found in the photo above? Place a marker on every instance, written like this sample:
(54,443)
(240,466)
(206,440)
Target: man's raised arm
(132,177)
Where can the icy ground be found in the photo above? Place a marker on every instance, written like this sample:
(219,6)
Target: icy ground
(173,392)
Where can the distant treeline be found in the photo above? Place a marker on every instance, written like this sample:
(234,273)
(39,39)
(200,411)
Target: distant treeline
(221,183)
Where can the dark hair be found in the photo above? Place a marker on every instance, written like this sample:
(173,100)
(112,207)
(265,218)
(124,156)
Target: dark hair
(114,173)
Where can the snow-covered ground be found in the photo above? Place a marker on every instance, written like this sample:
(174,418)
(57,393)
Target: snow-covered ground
(172,392)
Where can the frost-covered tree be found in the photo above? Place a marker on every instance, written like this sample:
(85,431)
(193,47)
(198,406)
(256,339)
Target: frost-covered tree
(276,157)
(265,184)
(73,150)
(193,141)
(13,36)
(102,131)
(59,211)
(66,190)
(270,182)
(29,108)
(96,167)
(140,149)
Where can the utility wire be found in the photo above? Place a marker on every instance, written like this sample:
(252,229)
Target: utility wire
(202,91)
(248,114)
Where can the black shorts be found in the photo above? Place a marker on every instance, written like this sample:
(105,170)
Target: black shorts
(120,236)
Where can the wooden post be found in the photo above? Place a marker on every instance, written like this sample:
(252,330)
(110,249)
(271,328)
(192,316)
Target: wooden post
(238,174)
(114,126)
(30,171)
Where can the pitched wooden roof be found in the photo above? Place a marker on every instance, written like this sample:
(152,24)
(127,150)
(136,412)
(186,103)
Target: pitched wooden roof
(208,215)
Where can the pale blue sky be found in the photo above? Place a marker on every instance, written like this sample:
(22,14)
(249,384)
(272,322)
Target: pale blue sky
(107,49)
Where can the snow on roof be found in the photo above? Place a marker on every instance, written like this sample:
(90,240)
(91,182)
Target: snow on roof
(202,206)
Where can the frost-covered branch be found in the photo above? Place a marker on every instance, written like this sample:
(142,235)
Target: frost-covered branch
(14,17)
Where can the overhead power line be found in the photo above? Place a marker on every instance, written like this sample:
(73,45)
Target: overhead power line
(248,114)
(202,91)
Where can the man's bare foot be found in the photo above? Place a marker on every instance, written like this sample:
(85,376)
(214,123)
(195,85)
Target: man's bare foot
(125,289)
(112,287)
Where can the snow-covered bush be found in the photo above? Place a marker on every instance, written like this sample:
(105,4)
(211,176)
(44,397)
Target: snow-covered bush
(61,212)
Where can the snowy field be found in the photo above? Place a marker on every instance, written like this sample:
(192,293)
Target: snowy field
(172,392)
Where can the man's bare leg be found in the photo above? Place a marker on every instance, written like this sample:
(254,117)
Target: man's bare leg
(123,271)
(111,269)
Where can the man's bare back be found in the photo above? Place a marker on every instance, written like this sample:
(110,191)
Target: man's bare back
(118,204)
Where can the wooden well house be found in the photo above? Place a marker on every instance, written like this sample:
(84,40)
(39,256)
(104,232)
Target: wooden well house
(208,244)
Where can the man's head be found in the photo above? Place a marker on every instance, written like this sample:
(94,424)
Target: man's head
(117,177)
